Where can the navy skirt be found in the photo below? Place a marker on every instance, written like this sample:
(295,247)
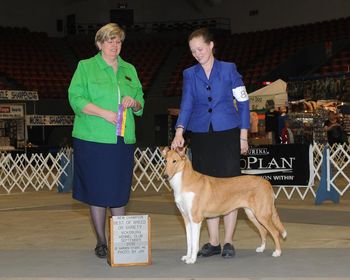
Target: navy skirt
(103,172)
(216,153)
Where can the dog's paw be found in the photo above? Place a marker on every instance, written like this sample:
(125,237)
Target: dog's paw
(276,253)
(260,249)
(191,260)
(284,235)
(185,258)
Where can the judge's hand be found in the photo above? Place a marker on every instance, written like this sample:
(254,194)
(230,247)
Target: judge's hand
(244,147)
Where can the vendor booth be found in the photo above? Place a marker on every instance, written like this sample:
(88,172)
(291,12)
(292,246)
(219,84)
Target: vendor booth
(272,96)
(13,109)
(12,126)
(311,100)
(23,130)
(267,104)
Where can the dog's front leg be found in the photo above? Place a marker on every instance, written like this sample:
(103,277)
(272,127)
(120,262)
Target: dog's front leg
(188,237)
(194,241)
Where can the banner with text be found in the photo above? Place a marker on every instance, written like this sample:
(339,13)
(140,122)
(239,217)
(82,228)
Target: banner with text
(279,164)
(24,95)
(11,111)
(49,120)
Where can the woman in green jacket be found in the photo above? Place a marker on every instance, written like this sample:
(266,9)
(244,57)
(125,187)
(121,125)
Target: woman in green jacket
(105,95)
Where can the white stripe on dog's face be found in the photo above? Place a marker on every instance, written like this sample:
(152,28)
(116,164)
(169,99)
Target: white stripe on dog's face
(174,163)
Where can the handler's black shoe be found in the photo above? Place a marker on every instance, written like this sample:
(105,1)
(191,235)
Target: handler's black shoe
(101,251)
(228,251)
(209,250)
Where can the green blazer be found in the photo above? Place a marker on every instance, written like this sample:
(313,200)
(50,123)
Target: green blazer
(94,81)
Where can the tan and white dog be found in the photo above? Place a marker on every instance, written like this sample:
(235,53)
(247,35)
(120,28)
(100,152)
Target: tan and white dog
(199,196)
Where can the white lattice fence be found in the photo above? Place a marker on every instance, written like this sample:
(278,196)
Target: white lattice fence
(339,168)
(148,170)
(315,165)
(37,171)
(149,166)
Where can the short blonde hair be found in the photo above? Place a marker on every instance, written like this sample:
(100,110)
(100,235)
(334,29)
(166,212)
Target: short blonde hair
(108,32)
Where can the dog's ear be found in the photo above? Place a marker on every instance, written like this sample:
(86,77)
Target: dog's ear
(164,150)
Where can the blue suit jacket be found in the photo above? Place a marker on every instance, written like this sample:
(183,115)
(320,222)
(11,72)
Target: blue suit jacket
(211,101)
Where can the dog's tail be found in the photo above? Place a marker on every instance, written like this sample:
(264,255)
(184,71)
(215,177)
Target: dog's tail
(277,222)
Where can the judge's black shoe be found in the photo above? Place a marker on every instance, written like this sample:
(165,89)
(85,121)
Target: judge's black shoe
(228,251)
(209,250)
(101,251)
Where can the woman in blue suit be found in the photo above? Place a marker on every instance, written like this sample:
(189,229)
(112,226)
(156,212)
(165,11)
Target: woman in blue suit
(218,125)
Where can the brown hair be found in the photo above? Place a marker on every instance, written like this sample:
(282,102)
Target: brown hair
(202,32)
(109,31)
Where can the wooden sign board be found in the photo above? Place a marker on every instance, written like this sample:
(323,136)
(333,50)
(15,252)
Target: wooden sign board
(129,240)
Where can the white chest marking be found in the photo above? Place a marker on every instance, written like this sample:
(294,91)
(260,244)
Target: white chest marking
(183,200)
